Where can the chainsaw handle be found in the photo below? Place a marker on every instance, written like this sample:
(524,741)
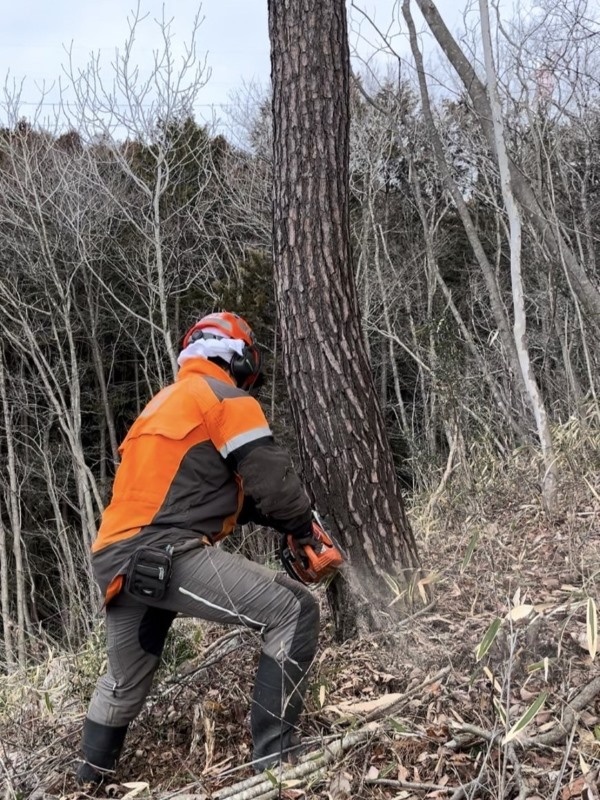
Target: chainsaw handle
(310,559)
(314,539)
(304,541)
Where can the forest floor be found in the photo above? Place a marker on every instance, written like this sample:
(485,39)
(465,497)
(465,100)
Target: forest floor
(425,708)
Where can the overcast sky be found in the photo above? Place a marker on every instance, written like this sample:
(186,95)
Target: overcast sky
(35,34)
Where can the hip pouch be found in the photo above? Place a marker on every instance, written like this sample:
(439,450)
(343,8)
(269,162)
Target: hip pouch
(148,573)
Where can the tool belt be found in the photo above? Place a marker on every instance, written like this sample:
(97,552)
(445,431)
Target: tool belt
(149,572)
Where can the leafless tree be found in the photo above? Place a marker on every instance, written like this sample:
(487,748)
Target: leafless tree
(533,205)
(101,239)
(515,227)
(149,113)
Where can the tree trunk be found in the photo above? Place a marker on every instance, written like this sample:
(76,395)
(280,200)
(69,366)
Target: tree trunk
(496,302)
(9,652)
(471,345)
(586,291)
(550,477)
(14,515)
(346,457)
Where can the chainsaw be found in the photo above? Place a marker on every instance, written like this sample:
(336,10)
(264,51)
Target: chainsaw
(311,560)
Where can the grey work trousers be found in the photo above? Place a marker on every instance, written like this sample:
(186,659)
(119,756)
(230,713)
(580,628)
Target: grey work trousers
(222,587)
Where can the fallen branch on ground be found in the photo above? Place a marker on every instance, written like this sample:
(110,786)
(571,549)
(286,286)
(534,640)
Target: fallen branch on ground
(517,772)
(560,733)
(311,767)
(465,732)
(215,652)
(423,787)
(384,706)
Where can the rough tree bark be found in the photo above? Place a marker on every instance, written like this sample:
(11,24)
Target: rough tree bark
(346,457)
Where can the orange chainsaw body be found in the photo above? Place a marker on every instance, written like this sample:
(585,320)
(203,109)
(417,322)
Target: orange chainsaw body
(314,561)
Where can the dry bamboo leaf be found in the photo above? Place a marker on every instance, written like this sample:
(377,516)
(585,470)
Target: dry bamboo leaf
(519,612)
(322,691)
(592,628)
(592,788)
(546,726)
(340,786)
(574,789)
(490,676)
(363,709)
(135,788)
(500,710)
(583,765)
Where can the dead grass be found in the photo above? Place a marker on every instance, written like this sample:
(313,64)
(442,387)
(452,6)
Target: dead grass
(491,549)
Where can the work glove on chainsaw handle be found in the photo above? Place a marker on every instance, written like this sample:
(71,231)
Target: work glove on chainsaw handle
(311,538)
(310,559)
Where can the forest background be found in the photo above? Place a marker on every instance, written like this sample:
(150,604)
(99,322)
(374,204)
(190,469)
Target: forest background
(121,229)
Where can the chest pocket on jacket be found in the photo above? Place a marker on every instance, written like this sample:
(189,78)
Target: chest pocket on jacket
(171,414)
(153,453)
(175,427)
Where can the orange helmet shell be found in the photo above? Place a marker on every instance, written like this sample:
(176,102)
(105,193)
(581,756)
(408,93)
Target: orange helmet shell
(231,325)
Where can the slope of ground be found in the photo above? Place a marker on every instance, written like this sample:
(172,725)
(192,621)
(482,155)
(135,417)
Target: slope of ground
(429,710)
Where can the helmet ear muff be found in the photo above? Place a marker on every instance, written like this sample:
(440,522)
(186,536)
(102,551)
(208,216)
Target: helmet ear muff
(246,368)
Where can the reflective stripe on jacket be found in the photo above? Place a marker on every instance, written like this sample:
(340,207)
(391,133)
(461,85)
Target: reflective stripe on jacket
(194,451)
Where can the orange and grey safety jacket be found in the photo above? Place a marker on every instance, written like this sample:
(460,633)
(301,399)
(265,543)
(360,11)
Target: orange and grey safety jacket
(199,452)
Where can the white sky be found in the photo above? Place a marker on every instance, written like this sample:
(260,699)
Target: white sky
(35,34)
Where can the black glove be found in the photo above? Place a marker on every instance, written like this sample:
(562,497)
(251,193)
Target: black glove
(309,537)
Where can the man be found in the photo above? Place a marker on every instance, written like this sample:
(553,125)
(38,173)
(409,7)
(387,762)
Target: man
(198,460)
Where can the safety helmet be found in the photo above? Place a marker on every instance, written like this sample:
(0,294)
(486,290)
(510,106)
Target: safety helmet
(245,368)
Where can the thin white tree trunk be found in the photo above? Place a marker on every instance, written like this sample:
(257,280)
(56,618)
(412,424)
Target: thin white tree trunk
(99,368)
(76,593)
(549,480)
(501,319)
(549,229)
(7,623)
(14,515)
(162,179)
(466,334)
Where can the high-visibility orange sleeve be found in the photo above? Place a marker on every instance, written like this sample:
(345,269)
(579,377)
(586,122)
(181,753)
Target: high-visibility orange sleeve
(236,422)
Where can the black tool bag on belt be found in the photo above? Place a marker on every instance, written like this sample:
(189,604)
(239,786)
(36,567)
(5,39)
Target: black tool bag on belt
(149,573)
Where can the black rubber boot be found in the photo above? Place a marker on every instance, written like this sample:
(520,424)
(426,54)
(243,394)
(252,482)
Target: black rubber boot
(101,746)
(276,707)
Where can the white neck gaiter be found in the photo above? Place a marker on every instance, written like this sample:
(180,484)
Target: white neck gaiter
(212,348)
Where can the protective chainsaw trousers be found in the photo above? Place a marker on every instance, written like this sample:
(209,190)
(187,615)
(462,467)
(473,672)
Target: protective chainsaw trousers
(221,587)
